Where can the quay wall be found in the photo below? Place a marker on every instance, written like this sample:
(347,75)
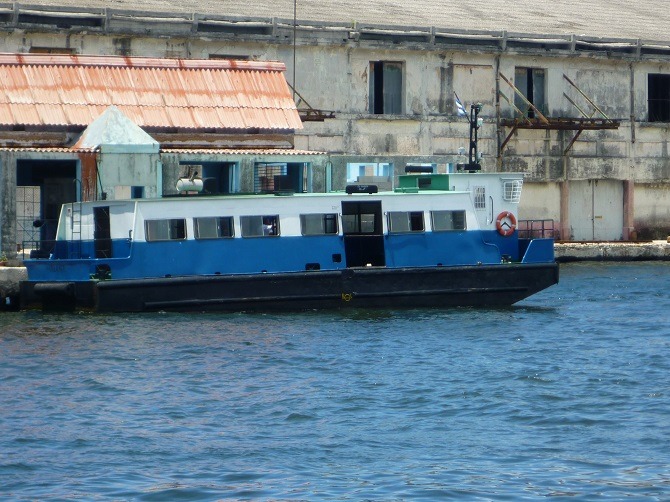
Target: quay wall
(612,251)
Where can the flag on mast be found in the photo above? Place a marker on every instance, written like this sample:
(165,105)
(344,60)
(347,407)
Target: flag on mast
(459,106)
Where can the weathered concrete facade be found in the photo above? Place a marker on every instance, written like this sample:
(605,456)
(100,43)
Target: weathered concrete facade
(610,184)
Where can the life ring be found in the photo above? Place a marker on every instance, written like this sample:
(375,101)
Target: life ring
(506,223)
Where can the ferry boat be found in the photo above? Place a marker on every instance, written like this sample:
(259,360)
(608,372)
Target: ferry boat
(437,240)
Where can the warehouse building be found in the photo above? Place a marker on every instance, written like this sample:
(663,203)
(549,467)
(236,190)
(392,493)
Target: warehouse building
(576,96)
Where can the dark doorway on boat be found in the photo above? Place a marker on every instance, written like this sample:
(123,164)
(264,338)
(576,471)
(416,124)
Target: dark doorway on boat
(102,236)
(42,187)
(217,177)
(363,233)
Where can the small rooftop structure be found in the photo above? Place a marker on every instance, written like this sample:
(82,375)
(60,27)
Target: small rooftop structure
(113,132)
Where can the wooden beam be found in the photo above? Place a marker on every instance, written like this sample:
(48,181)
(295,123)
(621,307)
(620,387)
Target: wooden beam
(585,96)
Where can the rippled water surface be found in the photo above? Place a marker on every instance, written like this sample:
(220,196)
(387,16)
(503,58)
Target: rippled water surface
(566,394)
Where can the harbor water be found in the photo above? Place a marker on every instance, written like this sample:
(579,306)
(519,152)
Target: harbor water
(565,395)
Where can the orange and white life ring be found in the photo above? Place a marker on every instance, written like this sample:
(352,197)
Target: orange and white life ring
(506,223)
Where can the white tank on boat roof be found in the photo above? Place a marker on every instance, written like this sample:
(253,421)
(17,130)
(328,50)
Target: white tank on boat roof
(189,185)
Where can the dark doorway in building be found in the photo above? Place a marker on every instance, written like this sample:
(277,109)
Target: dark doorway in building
(43,186)
(217,177)
(659,98)
(385,88)
(363,234)
(271,177)
(531,83)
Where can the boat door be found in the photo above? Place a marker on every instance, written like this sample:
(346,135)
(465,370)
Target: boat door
(101,234)
(363,233)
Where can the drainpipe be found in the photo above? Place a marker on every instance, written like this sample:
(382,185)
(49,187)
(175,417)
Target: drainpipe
(496,67)
(628,210)
(564,228)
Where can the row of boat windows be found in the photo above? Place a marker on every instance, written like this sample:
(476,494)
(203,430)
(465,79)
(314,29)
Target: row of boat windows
(222,227)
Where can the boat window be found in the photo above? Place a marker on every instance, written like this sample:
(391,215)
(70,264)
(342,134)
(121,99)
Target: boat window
(318,224)
(480,197)
(405,221)
(448,220)
(165,230)
(260,226)
(512,190)
(363,223)
(213,227)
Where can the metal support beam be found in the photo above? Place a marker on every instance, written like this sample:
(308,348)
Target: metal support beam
(509,136)
(567,149)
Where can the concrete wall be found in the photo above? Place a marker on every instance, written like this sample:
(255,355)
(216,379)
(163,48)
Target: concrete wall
(119,171)
(652,210)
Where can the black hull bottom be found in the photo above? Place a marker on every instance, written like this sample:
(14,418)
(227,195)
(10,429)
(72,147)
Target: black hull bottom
(498,285)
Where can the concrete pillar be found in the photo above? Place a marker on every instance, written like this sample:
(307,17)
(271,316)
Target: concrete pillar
(8,204)
(564,229)
(628,210)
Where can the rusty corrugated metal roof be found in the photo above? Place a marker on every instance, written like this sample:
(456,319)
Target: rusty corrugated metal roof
(239,151)
(181,151)
(67,90)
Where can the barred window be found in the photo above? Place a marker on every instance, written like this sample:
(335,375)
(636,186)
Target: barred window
(480,197)
(512,190)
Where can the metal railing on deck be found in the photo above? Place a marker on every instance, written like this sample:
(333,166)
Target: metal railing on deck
(537,229)
(37,249)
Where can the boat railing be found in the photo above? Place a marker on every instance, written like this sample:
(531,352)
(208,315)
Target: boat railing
(37,249)
(537,229)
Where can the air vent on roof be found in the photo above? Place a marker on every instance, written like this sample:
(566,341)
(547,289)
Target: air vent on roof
(655,51)
(458,40)
(394,37)
(60,21)
(538,44)
(234,29)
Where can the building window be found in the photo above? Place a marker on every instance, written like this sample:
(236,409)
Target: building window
(136,192)
(448,220)
(480,197)
(213,227)
(235,57)
(659,98)
(259,226)
(385,93)
(217,177)
(318,224)
(277,177)
(51,50)
(371,173)
(531,83)
(165,230)
(401,222)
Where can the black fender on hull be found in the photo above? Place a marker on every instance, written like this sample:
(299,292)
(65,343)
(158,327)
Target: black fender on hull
(365,287)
